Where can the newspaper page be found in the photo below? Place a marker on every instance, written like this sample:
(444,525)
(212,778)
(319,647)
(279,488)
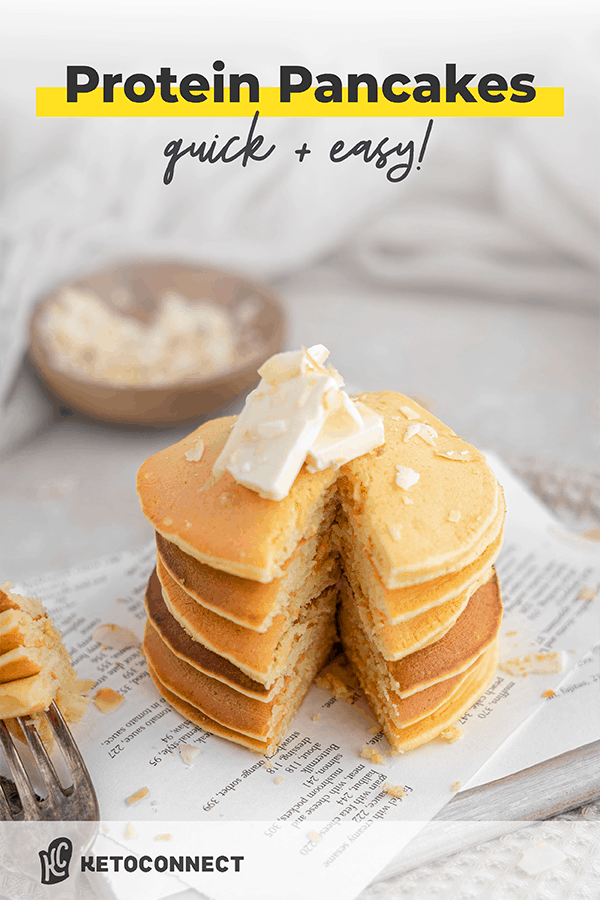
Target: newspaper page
(316,817)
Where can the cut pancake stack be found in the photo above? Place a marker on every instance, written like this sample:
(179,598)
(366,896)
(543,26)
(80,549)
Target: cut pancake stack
(237,654)
(241,606)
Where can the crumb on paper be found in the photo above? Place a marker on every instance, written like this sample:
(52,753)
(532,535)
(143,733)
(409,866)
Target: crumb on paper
(511,633)
(268,765)
(115,637)
(455,787)
(549,693)
(278,780)
(195,454)
(534,664)
(452,734)
(163,837)
(105,828)
(315,837)
(573,651)
(130,831)
(394,790)
(106,699)
(541,858)
(187,753)
(338,683)
(586,593)
(316,717)
(373,754)
(592,534)
(139,795)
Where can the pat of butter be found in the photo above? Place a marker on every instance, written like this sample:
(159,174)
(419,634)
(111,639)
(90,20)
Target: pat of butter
(342,438)
(298,413)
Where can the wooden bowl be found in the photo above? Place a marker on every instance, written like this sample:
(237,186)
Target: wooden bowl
(189,397)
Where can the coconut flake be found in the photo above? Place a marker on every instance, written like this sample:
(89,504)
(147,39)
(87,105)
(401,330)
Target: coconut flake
(454,454)
(395,531)
(195,454)
(406,477)
(187,753)
(454,515)
(410,413)
(427,433)
(412,429)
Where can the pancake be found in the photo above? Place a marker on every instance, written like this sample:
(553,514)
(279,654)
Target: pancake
(35,668)
(20,663)
(405,711)
(195,653)
(221,523)
(431,544)
(262,656)
(217,702)
(397,641)
(474,631)
(214,698)
(26,696)
(248,603)
(202,721)
(478,679)
(241,611)
(231,528)
(399,604)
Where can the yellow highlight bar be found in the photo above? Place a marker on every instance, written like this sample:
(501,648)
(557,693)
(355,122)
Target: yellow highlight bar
(51,102)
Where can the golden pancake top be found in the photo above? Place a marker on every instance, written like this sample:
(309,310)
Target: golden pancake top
(446,523)
(449,519)
(219,522)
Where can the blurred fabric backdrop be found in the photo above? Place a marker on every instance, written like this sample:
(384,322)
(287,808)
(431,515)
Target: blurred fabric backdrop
(472,285)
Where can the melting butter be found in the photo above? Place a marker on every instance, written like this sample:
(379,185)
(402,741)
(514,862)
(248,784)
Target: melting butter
(297,414)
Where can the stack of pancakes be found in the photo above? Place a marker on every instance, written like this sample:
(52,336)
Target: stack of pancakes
(241,608)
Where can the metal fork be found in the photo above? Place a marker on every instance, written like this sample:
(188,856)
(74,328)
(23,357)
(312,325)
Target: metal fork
(77,802)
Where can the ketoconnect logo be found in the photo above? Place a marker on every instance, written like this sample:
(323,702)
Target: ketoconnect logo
(55,861)
(300,93)
(161,863)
